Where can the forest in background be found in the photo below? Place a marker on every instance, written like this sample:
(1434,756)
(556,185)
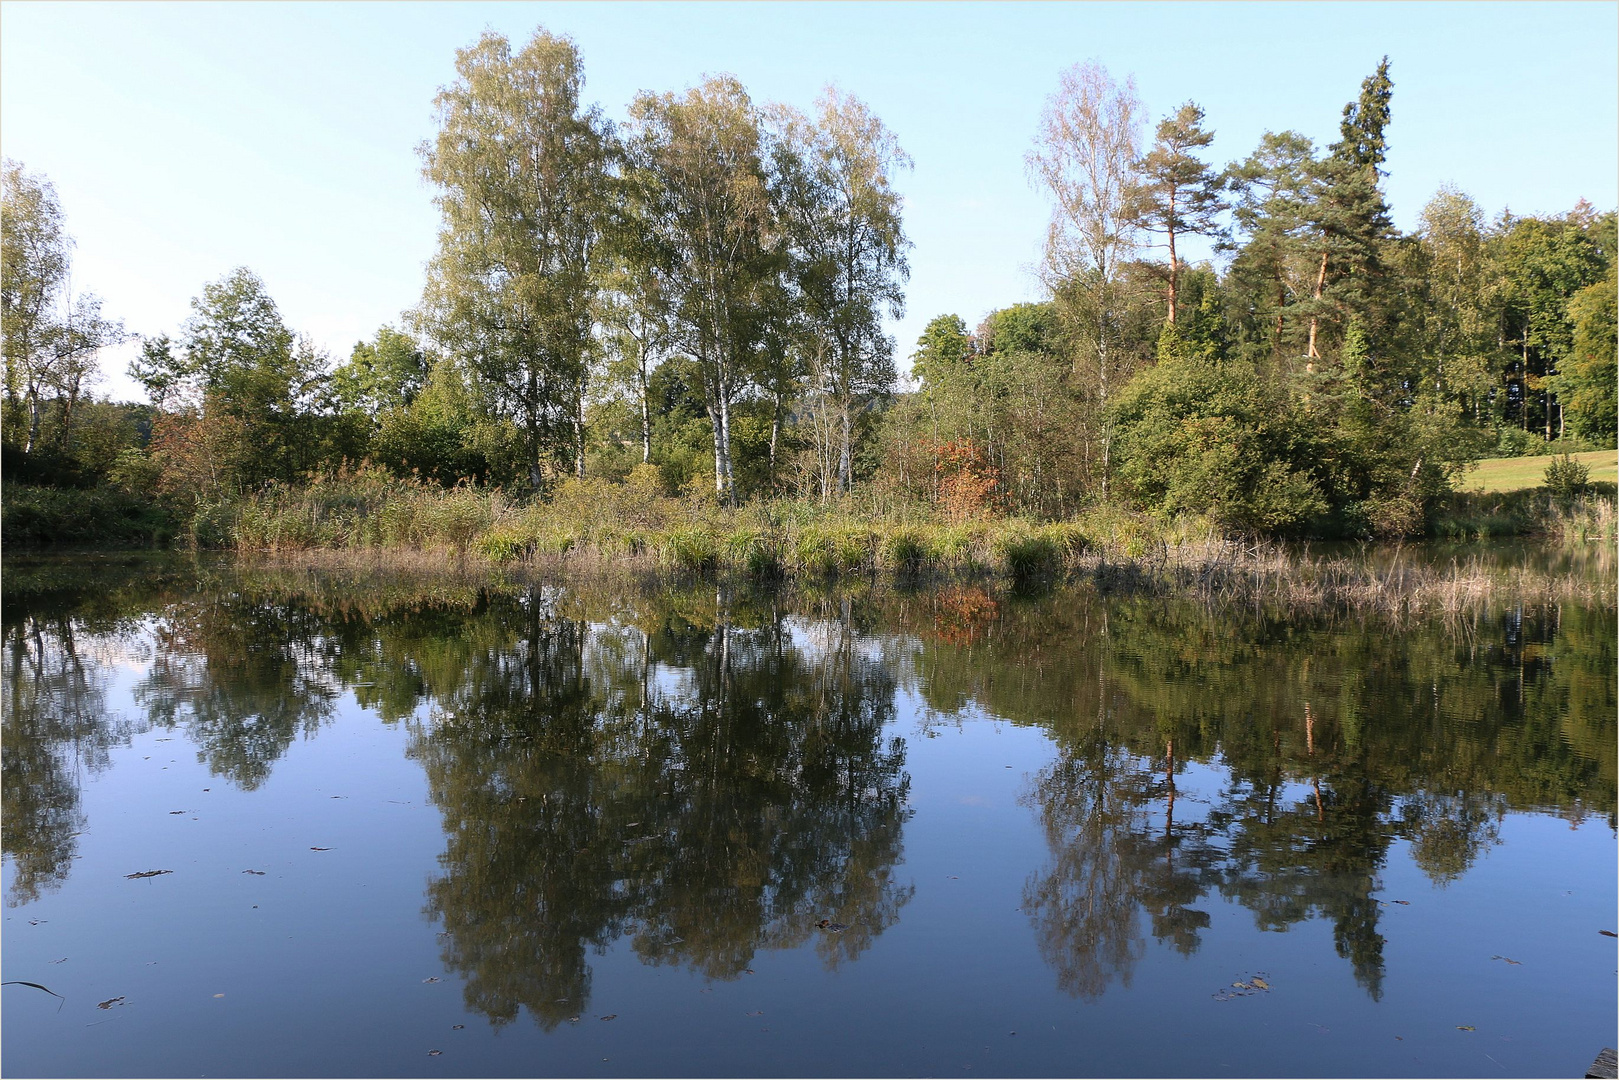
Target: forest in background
(689,303)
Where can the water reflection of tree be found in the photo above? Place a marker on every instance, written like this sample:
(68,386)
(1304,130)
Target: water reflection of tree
(706,791)
(243,678)
(1116,853)
(1336,739)
(57,728)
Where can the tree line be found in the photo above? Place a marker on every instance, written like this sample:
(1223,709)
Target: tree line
(701,289)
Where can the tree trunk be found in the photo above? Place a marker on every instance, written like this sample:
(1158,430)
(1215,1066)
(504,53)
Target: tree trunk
(775,431)
(646,413)
(845,450)
(1315,316)
(33,420)
(1174,267)
(579,435)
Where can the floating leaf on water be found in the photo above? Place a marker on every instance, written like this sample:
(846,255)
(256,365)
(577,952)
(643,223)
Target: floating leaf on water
(1261,983)
(1465,1027)
(149,873)
(1242,986)
(110,1002)
(611,1016)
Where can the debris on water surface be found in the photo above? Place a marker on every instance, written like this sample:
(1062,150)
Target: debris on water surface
(61,961)
(148,873)
(832,927)
(430,978)
(434,1053)
(173,812)
(757,1012)
(460,1027)
(260,873)
(1465,1027)
(320,849)
(611,1016)
(1254,984)
(36,986)
(1508,959)
(573,1019)
(110,1002)
(219,995)
(1403,903)
(1607,933)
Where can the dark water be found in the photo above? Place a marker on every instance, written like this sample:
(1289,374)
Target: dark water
(577,831)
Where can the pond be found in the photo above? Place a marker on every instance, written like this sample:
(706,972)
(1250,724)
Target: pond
(292,822)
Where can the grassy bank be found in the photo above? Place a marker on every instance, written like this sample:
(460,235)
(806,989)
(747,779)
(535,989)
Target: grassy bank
(636,525)
(592,529)
(1495,475)
(1479,515)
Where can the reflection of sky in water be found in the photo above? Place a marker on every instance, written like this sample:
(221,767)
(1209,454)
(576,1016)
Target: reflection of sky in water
(1019,861)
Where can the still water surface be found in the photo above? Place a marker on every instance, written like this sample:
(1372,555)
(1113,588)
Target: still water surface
(450,826)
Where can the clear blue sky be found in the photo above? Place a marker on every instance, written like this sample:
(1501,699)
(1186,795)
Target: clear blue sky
(185,139)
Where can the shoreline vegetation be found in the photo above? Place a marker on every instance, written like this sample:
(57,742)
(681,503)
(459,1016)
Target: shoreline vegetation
(660,344)
(592,530)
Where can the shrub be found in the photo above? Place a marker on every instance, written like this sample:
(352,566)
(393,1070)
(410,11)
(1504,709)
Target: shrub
(904,549)
(691,550)
(1025,552)
(1566,478)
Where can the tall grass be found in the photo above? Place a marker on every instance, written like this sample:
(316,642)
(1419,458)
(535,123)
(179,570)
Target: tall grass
(592,525)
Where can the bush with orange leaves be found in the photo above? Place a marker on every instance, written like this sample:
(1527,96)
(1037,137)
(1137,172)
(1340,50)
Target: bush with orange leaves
(968,484)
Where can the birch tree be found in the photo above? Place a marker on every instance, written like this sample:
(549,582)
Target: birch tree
(1086,156)
(523,173)
(50,339)
(710,205)
(847,253)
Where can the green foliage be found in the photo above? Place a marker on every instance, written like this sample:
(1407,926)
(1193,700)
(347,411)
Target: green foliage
(1205,437)
(522,171)
(1026,552)
(105,517)
(1566,477)
(382,374)
(1587,379)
